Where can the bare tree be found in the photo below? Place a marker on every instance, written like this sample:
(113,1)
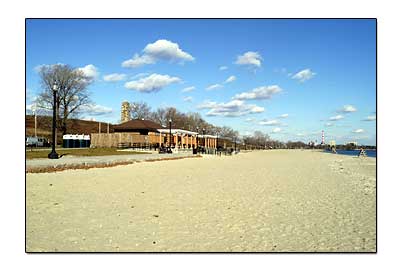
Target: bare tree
(260,140)
(159,116)
(195,120)
(140,110)
(163,115)
(228,132)
(72,91)
(171,113)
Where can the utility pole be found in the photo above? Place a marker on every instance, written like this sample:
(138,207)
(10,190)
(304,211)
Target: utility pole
(34,113)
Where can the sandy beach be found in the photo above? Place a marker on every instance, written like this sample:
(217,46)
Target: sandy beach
(261,201)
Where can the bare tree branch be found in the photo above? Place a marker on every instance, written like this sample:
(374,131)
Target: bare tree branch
(72,91)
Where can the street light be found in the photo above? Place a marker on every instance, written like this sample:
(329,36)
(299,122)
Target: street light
(203,137)
(235,145)
(170,133)
(53,154)
(217,142)
(197,136)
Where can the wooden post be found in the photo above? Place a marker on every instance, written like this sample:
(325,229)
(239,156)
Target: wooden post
(99,127)
(108,128)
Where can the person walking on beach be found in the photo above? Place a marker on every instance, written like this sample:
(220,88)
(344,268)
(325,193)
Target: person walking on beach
(362,152)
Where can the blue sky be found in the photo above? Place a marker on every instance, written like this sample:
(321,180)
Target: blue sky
(288,78)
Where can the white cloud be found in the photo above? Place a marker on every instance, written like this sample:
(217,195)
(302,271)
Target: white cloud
(232,108)
(152,83)
(358,131)
(329,124)
(347,109)
(29,95)
(250,120)
(269,122)
(283,116)
(39,67)
(370,118)
(188,89)
(33,106)
(167,50)
(95,110)
(250,58)
(223,68)
(230,79)
(276,130)
(304,75)
(188,99)
(89,71)
(338,117)
(138,61)
(259,93)
(214,86)
(300,134)
(160,50)
(30,108)
(115,77)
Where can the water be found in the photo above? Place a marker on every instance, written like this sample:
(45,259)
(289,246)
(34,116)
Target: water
(370,153)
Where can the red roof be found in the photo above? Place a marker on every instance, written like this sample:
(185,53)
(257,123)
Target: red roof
(138,124)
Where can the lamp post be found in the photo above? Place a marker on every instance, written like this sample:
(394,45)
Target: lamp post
(217,142)
(203,137)
(170,133)
(235,144)
(197,137)
(53,154)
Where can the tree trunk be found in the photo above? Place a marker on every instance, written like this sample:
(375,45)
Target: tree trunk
(64,121)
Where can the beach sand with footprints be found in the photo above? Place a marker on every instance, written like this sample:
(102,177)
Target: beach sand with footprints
(260,201)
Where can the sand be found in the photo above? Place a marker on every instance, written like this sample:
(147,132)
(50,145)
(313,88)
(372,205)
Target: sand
(262,201)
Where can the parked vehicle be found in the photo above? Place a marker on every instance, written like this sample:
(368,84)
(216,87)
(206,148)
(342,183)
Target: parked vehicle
(36,142)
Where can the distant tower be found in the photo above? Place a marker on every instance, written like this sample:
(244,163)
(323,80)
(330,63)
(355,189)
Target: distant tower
(322,137)
(125,112)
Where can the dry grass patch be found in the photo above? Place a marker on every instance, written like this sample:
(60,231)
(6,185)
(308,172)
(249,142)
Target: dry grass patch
(37,153)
